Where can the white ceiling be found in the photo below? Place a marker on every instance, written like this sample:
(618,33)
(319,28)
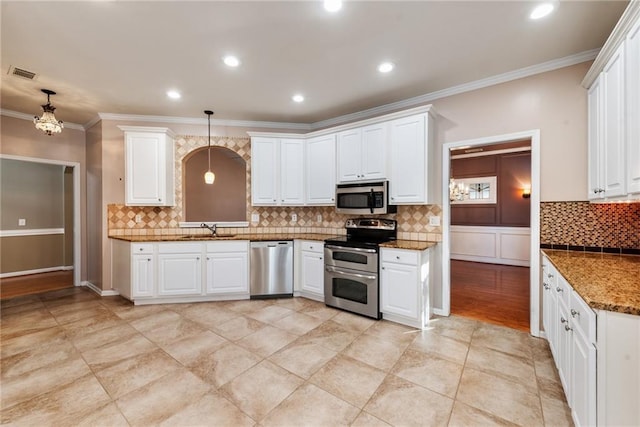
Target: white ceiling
(122,56)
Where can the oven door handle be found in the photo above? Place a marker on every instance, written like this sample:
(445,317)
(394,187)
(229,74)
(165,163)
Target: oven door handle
(342,248)
(330,269)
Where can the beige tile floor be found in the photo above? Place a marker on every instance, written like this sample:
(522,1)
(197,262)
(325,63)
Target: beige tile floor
(70,358)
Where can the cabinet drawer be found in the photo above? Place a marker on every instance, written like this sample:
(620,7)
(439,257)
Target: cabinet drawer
(562,289)
(141,248)
(239,246)
(583,317)
(312,246)
(400,256)
(179,248)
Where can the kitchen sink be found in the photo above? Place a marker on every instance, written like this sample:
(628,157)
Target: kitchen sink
(205,236)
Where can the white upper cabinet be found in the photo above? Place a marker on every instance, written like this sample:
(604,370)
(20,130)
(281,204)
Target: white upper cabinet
(614,127)
(362,153)
(277,176)
(149,166)
(409,159)
(320,171)
(632,78)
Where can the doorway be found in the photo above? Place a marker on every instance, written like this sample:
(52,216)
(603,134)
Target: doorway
(449,232)
(67,268)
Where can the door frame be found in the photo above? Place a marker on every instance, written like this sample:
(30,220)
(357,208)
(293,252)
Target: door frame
(77,228)
(534,240)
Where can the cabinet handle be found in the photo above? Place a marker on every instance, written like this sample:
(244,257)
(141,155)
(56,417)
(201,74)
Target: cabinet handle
(563,320)
(574,313)
(567,328)
(559,289)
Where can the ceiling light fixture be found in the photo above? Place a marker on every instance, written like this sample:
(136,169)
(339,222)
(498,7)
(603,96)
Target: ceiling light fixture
(174,94)
(231,61)
(209,176)
(332,5)
(297,98)
(48,123)
(385,67)
(542,10)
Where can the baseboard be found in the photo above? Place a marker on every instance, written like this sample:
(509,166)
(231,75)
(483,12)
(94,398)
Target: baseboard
(97,290)
(35,271)
(439,312)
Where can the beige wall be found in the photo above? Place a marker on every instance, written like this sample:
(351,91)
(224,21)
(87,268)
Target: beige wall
(24,253)
(553,102)
(21,138)
(94,204)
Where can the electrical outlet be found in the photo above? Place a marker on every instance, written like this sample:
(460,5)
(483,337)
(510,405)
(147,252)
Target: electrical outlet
(255,217)
(22,222)
(138,218)
(294,217)
(434,221)
(319,218)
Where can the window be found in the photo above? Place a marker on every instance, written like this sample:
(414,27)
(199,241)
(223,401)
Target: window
(473,190)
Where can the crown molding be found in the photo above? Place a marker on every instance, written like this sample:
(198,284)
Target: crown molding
(29,117)
(465,87)
(203,121)
(630,16)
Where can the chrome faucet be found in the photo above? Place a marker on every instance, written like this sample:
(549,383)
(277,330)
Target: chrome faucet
(211,228)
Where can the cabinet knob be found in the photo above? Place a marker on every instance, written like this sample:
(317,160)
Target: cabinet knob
(546,286)
(148,259)
(140,249)
(563,320)
(550,276)
(559,289)
(382,268)
(159,200)
(567,328)
(197,258)
(574,313)
(208,259)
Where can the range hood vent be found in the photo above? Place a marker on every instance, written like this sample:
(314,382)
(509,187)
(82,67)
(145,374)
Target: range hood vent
(22,73)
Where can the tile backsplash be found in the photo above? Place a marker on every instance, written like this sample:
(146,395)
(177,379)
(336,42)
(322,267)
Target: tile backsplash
(591,225)
(413,221)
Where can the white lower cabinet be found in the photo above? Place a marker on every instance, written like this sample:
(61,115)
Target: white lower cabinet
(167,272)
(227,268)
(404,286)
(597,354)
(310,269)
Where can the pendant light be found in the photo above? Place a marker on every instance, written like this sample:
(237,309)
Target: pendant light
(209,176)
(48,123)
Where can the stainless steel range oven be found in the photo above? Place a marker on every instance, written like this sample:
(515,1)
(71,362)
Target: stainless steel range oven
(351,266)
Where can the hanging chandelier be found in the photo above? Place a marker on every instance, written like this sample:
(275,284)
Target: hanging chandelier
(48,123)
(457,191)
(209,176)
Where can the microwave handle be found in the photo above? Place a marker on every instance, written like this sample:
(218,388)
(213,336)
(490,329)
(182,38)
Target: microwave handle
(371,200)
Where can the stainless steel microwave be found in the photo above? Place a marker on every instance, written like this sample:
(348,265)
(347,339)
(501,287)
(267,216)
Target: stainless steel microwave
(364,198)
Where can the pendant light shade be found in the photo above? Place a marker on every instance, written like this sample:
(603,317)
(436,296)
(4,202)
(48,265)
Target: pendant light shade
(209,177)
(48,123)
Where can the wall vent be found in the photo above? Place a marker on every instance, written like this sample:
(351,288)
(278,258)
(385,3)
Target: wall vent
(22,73)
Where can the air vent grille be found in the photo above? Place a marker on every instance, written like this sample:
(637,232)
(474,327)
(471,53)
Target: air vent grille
(22,73)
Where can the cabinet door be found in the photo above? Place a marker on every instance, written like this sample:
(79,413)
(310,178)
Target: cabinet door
(292,172)
(145,157)
(632,92)
(549,307)
(583,384)
(264,171)
(321,170)
(595,188)
(565,344)
(350,155)
(407,183)
(142,275)
(613,126)
(179,274)
(227,273)
(399,289)
(313,272)
(374,152)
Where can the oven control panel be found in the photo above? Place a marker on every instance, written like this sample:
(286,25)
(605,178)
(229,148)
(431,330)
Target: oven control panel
(371,223)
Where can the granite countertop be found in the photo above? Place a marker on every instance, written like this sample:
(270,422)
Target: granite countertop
(604,281)
(222,236)
(416,245)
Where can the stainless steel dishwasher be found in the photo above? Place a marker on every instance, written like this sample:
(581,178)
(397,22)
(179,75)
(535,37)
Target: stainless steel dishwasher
(271,269)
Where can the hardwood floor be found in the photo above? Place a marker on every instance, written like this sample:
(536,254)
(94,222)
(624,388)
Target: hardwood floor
(12,287)
(493,293)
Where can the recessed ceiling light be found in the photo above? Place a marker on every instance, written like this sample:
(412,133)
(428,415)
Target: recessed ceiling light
(332,5)
(174,94)
(385,67)
(542,10)
(231,61)
(297,98)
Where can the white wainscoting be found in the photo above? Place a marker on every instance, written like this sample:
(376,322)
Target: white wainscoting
(493,245)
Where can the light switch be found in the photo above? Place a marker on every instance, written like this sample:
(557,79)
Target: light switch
(434,221)
(22,222)
(255,217)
